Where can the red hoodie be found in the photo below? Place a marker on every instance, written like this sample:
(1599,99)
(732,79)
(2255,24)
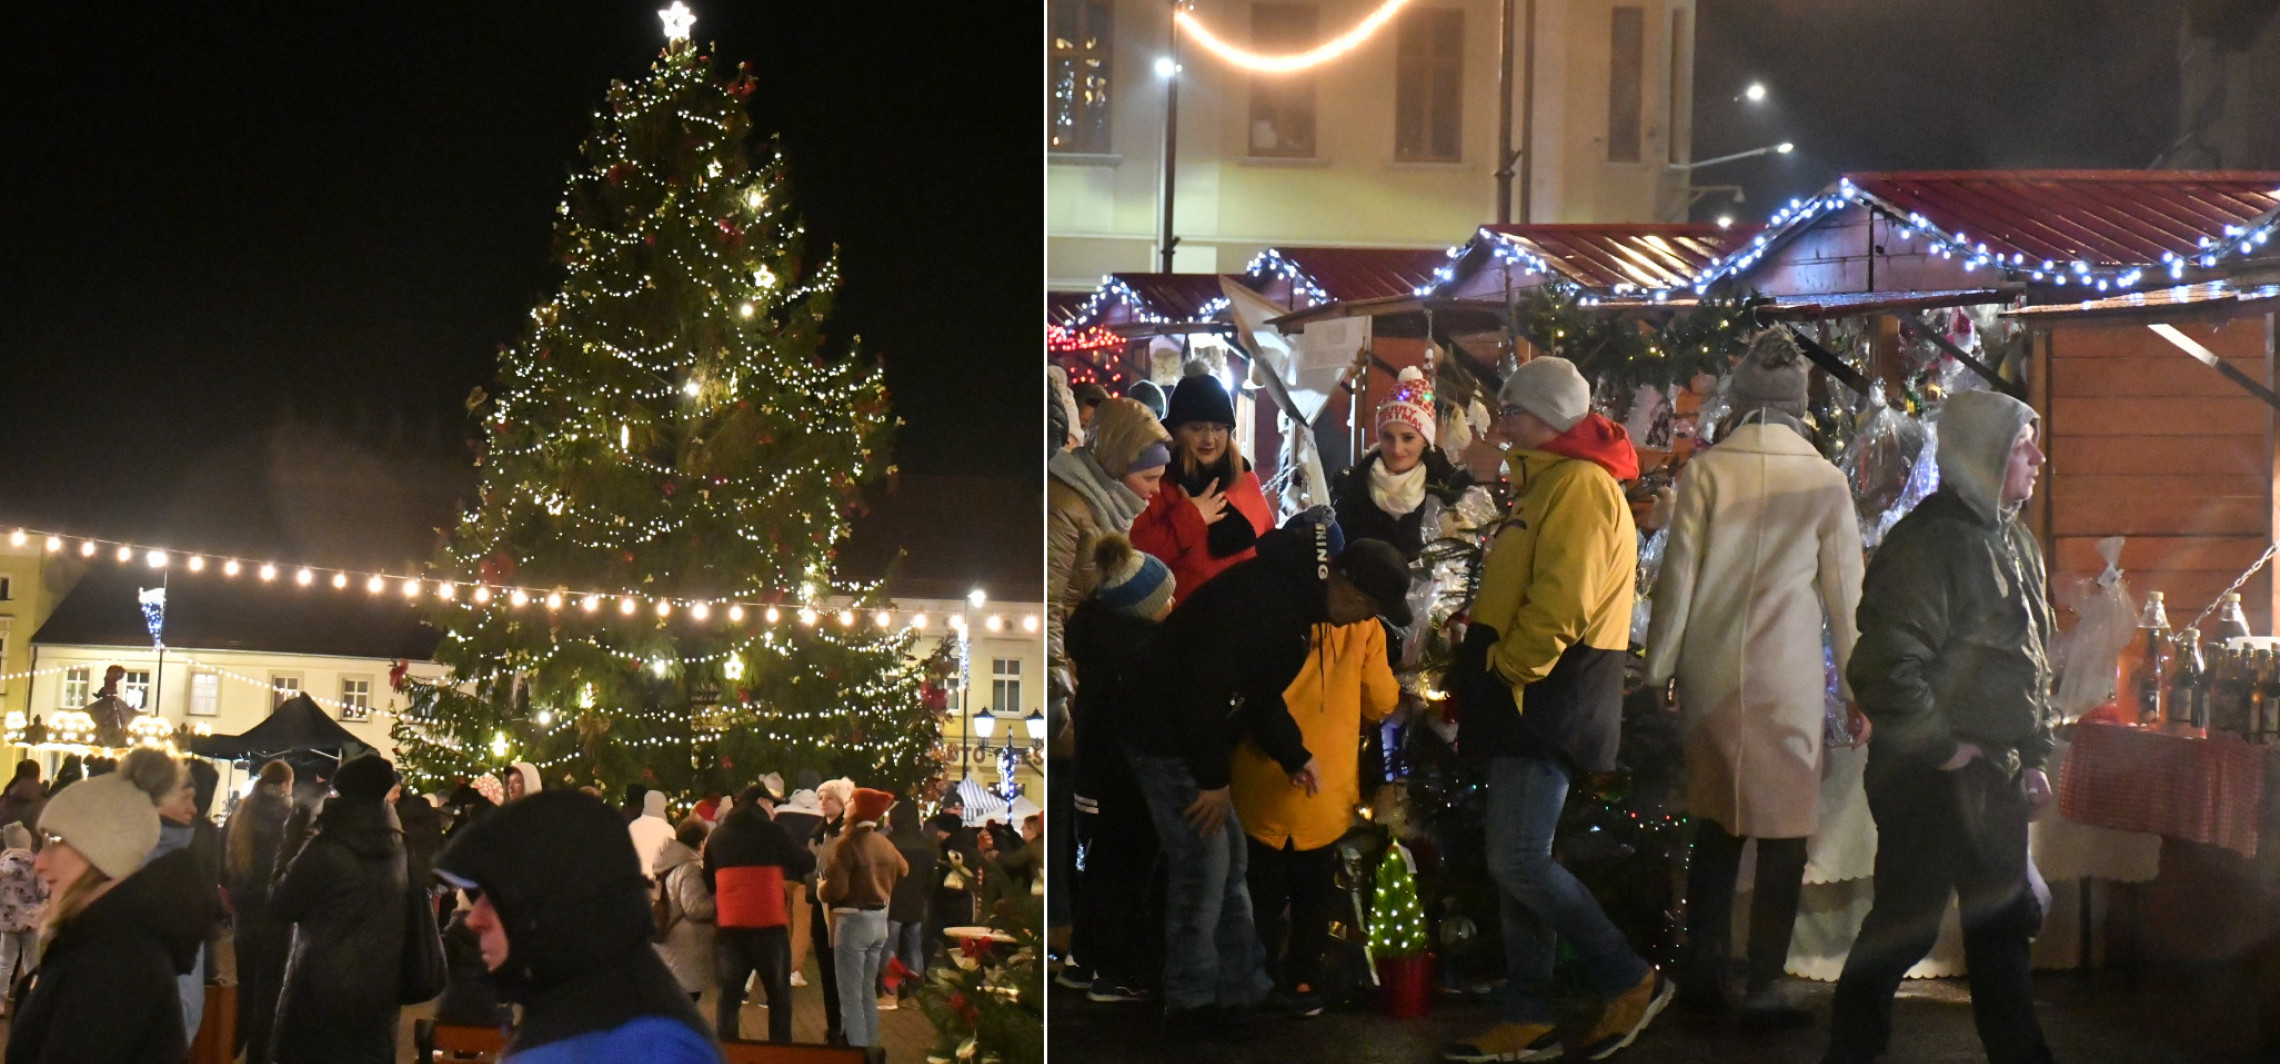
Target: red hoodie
(1599,440)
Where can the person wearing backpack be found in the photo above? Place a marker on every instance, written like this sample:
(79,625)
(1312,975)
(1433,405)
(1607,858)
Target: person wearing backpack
(684,909)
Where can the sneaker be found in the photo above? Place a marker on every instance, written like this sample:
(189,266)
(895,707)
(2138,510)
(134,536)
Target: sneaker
(1629,1014)
(798,979)
(1770,1009)
(1508,1042)
(1108,992)
(1074,977)
(889,1003)
(1301,1004)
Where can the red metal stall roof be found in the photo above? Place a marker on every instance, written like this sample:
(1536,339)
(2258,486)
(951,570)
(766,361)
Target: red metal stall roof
(1645,255)
(2102,217)
(1062,308)
(1347,274)
(1174,296)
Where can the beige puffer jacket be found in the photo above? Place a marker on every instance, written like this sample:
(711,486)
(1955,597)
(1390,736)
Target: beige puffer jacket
(1121,429)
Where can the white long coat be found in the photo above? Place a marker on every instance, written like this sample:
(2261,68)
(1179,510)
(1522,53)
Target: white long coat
(1763,545)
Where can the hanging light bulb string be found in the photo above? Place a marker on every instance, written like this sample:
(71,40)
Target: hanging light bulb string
(476,595)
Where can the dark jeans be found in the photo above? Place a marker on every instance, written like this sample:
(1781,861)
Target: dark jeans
(1118,912)
(1211,950)
(1966,832)
(1710,905)
(738,952)
(262,945)
(1307,882)
(1543,904)
(826,966)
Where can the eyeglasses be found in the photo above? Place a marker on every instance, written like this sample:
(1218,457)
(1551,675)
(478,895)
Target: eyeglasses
(1207,428)
(1509,411)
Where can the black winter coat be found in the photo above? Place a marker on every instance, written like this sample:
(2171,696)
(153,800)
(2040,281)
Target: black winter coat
(1110,651)
(1359,517)
(259,825)
(105,989)
(344,894)
(1224,657)
(908,906)
(748,839)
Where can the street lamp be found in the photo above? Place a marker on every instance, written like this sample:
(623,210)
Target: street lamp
(1782,148)
(1755,93)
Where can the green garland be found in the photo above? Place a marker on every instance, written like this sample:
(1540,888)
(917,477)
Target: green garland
(1616,348)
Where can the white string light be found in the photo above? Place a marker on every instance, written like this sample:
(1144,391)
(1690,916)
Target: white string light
(1294,61)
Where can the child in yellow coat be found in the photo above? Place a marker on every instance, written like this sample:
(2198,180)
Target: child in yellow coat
(1348,679)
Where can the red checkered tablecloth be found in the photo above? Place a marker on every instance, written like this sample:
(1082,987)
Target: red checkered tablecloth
(2132,779)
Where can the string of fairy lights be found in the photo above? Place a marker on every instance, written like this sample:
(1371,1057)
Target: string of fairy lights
(476,596)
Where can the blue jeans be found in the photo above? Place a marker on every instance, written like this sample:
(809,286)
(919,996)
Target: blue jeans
(907,939)
(1212,954)
(860,946)
(1541,902)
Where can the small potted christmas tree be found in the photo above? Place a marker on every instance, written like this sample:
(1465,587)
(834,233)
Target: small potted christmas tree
(1397,938)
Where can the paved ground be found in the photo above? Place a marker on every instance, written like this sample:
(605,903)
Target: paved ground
(2176,1017)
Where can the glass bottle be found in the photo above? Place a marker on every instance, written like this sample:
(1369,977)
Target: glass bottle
(2189,683)
(2146,671)
(2232,621)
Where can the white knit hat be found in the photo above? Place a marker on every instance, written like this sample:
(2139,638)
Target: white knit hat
(108,819)
(841,788)
(1550,388)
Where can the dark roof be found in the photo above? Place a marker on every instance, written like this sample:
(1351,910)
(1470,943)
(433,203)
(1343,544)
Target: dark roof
(1343,275)
(296,725)
(1152,299)
(956,534)
(2102,217)
(1061,307)
(2215,297)
(208,611)
(1604,257)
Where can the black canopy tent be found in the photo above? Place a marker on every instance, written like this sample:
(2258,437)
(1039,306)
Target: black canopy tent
(298,727)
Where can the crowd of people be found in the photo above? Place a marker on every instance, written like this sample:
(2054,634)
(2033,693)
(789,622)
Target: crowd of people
(587,932)
(1221,676)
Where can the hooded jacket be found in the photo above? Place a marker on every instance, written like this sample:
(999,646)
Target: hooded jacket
(1347,680)
(559,869)
(1360,517)
(1955,621)
(1172,530)
(1552,621)
(909,903)
(1112,652)
(748,860)
(650,831)
(344,895)
(1084,500)
(1224,657)
(532,783)
(105,992)
(688,947)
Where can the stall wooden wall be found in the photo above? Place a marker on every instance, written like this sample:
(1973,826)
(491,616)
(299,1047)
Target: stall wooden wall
(2147,443)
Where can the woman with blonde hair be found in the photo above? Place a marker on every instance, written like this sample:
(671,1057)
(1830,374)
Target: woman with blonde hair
(1211,510)
(256,837)
(105,990)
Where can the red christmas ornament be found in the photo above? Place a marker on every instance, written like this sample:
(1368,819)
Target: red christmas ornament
(649,774)
(616,173)
(670,487)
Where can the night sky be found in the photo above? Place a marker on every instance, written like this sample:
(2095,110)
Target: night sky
(1928,85)
(253,256)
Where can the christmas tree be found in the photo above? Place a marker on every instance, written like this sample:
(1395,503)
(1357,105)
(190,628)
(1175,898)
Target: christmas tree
(1397,921)
(645,590)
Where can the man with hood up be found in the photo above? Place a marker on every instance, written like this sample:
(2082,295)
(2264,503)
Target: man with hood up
(1952,669)
(523,781)
(563,915)
(650,831)
(343,892)
(1540,677)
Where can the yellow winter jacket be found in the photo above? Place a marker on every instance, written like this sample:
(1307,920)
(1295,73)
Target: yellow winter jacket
(1346,681)
(1557,586)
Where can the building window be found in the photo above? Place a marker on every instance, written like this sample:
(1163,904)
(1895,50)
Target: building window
(1428,86)
(76,682)
(1282,105)
(1005,687)
(205,694)
(355,698)
(3,657)
(7,588)
(1681,84)
(284,688)
(1079,105)
(1625,68)
(134,688)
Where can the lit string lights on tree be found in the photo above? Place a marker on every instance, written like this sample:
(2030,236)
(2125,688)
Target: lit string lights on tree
(1397,919)
(675,423)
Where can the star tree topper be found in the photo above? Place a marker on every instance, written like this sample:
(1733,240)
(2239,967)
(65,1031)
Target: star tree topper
(677,19)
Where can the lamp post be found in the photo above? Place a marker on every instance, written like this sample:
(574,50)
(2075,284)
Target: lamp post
(1168,70)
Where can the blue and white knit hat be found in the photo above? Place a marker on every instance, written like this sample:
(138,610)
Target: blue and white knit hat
(1131,582)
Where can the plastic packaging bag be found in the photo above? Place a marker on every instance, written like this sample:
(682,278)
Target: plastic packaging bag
(2105,621)
(1882,455)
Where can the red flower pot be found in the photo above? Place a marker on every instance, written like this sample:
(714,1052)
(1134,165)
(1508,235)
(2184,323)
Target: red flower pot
(1405,985)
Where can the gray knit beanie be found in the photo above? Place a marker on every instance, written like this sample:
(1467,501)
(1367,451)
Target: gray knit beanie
(1772,375)
(1549,387)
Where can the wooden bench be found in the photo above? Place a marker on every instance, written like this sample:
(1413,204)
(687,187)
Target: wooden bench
(441,1042)
(738,1051)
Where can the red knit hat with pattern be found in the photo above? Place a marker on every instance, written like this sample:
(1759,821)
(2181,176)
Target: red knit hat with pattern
(1410,404)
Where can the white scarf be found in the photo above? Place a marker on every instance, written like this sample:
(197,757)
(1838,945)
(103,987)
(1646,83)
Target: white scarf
(1397,493)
